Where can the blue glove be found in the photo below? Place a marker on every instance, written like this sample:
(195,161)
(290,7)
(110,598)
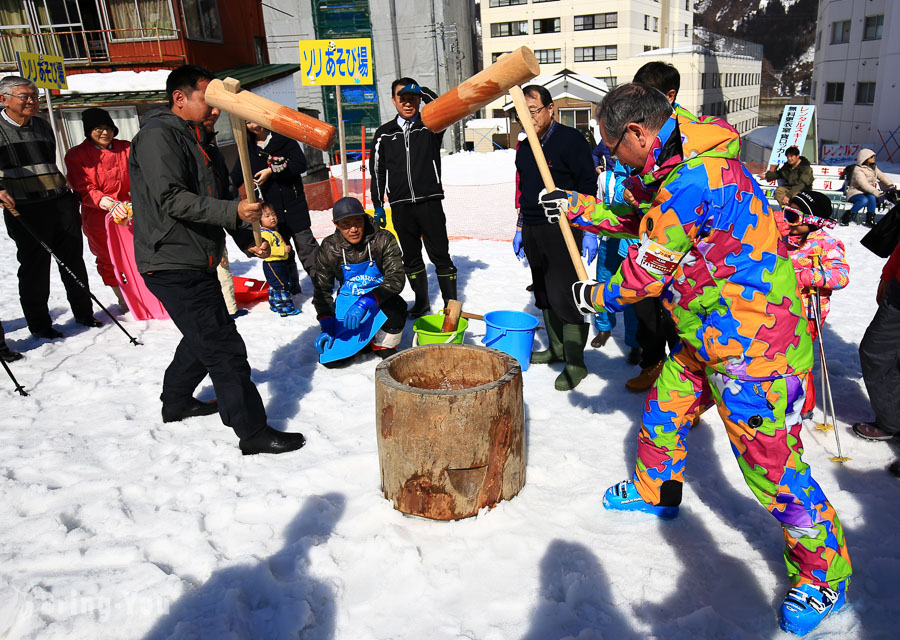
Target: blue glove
(517,245)
(358,311)
(589,245)
(380,217)
(329,331)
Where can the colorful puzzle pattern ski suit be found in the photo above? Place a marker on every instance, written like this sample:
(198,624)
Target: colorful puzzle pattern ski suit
(710,249)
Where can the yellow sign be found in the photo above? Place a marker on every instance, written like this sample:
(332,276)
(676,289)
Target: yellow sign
(47,72)
(331,62)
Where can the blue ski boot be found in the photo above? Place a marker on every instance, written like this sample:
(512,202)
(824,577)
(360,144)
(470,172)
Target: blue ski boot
(624,497)
(805,606)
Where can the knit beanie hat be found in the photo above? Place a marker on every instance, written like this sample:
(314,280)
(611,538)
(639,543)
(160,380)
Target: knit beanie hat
(814,209)
(94,117)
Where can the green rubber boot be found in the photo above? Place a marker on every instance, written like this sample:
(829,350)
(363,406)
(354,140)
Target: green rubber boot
(574,338)
(554,353)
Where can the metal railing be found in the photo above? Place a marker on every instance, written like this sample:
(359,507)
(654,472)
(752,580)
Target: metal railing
(96,46)
(727,45)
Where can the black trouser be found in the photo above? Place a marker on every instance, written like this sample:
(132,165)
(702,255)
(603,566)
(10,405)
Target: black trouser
(58,224)
(305,250)
(394,307)
(879,357)
(552,271)
(210,344)
(423,222)
(655,329)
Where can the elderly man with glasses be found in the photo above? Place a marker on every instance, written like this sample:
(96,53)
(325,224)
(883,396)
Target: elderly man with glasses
(31,183)
(710,249)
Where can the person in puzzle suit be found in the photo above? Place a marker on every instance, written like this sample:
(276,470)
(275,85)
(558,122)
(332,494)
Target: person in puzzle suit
(709,248)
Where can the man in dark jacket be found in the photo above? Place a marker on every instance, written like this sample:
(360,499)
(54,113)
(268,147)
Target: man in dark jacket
(405,165)
(277,164)
(179,196)
(31,183)
(796,174)
(360,259)
(569,157)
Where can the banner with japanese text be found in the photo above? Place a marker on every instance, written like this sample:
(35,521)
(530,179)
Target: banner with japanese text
(47,72)
(332,62)
(840,154)
(795,123)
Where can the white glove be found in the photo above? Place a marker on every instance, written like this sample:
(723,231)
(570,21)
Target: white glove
(107,203)
(583,291)
(121,212)
(554,204)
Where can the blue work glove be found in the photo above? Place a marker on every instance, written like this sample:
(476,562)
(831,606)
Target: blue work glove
(380,217)
(589,244)
(329,331)
(555,204)
(583,291)
(358,311)
(517,245)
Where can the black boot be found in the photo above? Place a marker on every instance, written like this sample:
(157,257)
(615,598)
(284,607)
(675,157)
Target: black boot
(554,353)
(269,440)
(574,338)
(870,220)
(845,219)
(191,409)
(447,283)
(419,283)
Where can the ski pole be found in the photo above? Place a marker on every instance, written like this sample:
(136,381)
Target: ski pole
(826,380)
(9,372)
(63,265)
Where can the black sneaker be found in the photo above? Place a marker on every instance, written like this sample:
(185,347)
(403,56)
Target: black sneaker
(89,321)
(8,355)
(870,431)
(47,334)
(191,409)
(270,440)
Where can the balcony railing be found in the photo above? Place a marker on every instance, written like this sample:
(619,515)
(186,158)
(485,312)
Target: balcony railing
(99,46)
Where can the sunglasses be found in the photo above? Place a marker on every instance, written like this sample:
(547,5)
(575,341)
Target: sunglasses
(791,215)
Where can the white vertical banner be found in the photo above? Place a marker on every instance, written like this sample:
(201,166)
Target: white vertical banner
(795,123)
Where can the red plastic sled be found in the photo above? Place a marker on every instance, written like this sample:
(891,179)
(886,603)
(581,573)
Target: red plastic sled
(249,290)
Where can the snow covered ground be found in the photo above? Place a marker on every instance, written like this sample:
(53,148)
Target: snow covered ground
(115,525)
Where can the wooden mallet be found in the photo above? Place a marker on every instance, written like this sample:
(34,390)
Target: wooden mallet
(525,118)
(487,85)
(239,127)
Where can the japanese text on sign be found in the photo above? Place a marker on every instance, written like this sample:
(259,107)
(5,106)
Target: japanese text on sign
(792,131)
(47,72)
(331,62)
(839,154)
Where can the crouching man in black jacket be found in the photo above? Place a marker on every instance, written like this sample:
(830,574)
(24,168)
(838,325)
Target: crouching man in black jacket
(364,262)
(179,193)
(405,165)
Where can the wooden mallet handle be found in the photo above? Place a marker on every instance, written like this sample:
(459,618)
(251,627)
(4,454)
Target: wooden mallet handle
(525,118)
(239,127)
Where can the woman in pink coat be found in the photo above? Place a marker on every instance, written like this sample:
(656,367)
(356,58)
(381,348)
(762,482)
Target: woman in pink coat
(98,171)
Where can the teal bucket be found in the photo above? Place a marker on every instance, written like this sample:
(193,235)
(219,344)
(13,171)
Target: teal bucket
(511,332)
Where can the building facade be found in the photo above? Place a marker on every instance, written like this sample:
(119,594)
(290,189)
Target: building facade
(855,87)
(610,41)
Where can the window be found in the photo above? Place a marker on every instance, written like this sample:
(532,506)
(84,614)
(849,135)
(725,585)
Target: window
(597,21)
(592,54)
(546,25)
(687,5)
(834,92)
(577,118)
(656,24)
(506,3)
(646,23)
(496,55)
(687,29)
(702,80)
(648,47)
(812,93)
(818,40)
(547,56)
(716,80)
(201,20)
(503,29)
(538,1)
(609,80)
(840,32)
(865,93)
(140,19)
(874,27)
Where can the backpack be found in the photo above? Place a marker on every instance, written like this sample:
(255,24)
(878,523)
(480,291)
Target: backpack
(846,174)
(884,236)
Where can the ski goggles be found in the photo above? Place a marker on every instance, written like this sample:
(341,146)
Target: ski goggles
(793,215)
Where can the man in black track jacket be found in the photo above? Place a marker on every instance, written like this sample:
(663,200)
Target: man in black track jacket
(405,165)
(180,192)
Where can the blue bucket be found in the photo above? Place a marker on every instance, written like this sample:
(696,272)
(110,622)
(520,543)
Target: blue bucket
(511,332)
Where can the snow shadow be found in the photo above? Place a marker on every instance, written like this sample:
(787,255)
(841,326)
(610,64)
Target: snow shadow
(575,596)
(274,599)
(851,403)
(874,553)
(289,374)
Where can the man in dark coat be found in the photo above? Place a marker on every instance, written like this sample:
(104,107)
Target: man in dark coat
(405,165)
(179,192)
(796,175)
